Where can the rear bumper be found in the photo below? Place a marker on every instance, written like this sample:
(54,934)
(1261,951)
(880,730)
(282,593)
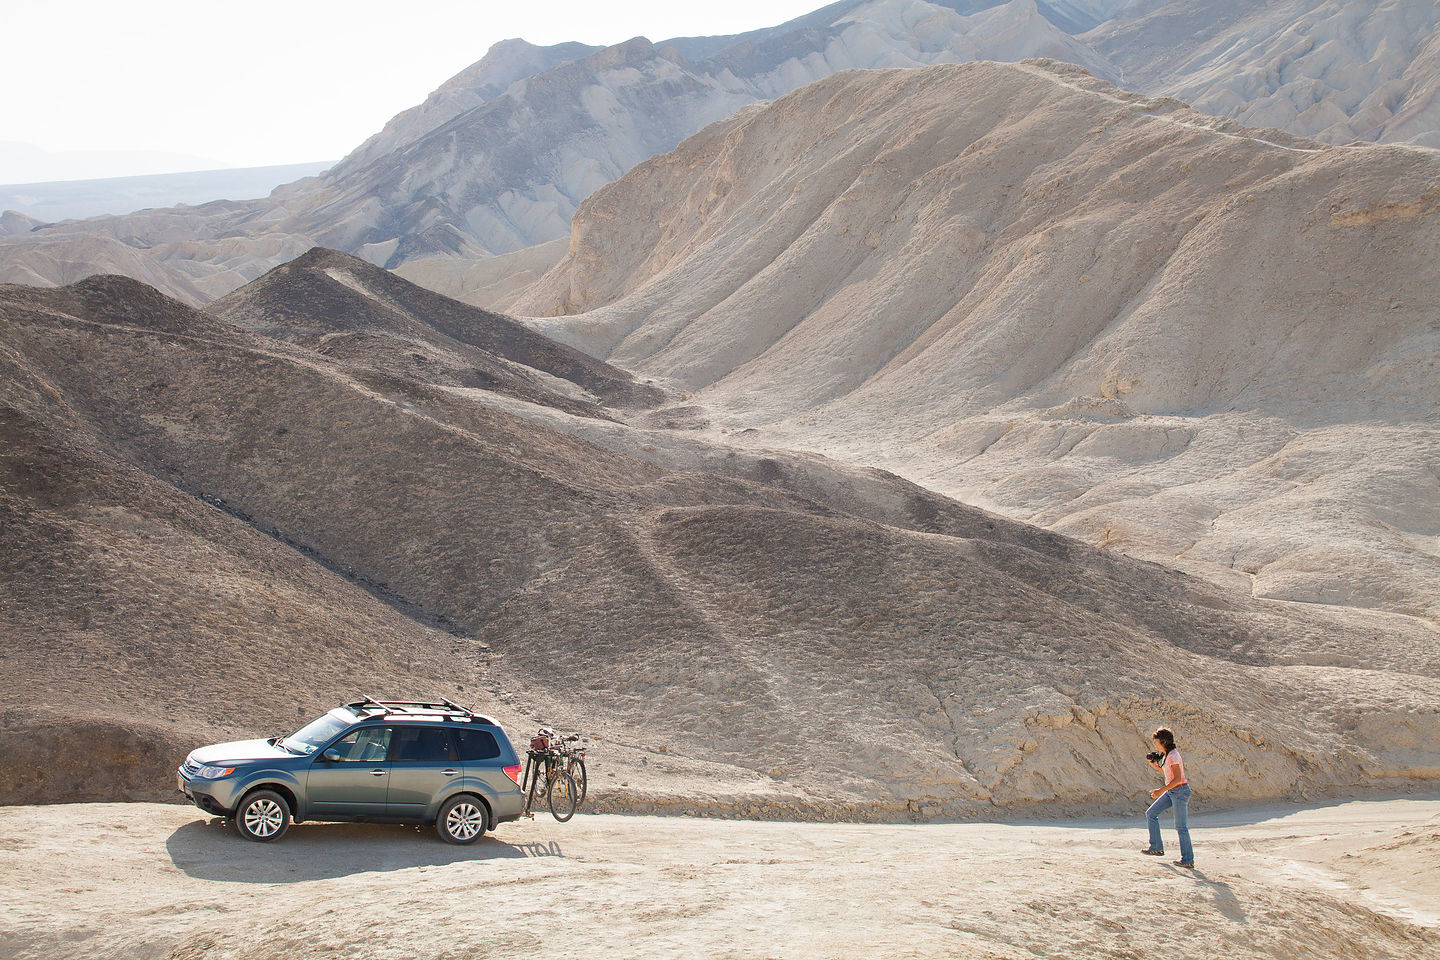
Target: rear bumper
(508,806)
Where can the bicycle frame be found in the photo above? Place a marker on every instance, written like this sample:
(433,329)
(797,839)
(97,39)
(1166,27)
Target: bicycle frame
(552,763)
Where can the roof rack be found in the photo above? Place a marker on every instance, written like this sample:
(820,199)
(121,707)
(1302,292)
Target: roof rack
(443,707)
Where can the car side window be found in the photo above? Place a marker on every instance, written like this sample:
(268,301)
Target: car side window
(475,744)
(365,745)
(421,745)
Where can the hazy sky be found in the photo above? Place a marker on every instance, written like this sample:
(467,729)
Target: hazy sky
(261,82)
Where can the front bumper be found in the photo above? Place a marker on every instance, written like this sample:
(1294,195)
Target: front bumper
(212,796)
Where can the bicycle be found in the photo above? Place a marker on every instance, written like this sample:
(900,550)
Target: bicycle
(575,765)
(548,761)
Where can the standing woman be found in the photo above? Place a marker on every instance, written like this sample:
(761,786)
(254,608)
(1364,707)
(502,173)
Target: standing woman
(1175,793)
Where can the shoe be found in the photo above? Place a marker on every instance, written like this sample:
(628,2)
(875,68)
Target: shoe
(1152,853)
(1187,864)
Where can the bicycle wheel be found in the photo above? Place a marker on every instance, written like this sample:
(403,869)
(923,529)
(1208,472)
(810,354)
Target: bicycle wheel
(576,769)
(562,797)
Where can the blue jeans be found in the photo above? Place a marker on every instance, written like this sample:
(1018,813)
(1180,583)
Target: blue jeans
(1179,798)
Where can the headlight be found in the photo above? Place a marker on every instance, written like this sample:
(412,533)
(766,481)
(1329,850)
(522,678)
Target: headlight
(208,772)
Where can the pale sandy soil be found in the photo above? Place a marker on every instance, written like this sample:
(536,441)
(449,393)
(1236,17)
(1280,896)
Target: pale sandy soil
(1356,880)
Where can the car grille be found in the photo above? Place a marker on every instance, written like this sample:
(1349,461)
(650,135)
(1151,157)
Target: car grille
(189,768)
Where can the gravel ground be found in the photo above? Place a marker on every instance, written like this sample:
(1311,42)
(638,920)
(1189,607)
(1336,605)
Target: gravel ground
(1357,880)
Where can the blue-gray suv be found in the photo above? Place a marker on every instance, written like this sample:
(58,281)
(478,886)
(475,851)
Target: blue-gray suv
(371,760)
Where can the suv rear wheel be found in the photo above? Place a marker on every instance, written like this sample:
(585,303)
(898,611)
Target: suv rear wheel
(462,819)
(263,815)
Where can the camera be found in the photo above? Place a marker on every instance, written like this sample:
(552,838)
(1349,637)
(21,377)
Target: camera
(1154,756)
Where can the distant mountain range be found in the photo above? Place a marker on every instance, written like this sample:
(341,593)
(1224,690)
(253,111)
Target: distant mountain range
(28,163)
(498,158)
(54,200)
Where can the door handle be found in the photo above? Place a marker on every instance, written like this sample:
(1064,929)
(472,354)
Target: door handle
(449,773)
(377,773)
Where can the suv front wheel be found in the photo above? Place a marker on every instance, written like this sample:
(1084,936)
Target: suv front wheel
(462,820)
(262,815)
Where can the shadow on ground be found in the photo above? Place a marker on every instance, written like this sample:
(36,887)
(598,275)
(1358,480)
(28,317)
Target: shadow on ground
(211,850)
(1225,900)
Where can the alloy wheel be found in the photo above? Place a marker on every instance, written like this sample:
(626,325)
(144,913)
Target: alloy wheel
(264,817)
(465,821)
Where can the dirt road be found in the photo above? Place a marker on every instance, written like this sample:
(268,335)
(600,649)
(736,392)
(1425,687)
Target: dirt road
(152,880)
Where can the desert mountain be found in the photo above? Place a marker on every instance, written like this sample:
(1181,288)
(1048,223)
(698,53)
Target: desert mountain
(1331,70)
(12,221)
(209,530)
(51,201)
(505,63)
(1109,315)
(344,307)
(492,282)
(498,158)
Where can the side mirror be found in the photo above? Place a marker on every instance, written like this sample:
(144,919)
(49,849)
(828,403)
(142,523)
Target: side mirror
(331,756)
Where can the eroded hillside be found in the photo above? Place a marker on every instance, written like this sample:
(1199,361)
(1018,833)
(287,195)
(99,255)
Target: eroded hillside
(1109,315)
(213,531)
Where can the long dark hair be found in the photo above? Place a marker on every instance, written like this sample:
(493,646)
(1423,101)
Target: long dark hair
(1166,737)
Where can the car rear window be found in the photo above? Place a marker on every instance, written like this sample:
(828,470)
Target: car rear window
(476,745)
(422,744)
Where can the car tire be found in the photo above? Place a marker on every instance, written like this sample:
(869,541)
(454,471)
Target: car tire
(462,819)
(262,816)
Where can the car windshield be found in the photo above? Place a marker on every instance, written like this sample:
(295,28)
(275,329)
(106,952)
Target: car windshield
(317,733)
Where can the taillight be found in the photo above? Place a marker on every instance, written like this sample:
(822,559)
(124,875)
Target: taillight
(513,772)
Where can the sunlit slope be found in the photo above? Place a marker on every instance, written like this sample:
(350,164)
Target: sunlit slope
(1020,286)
